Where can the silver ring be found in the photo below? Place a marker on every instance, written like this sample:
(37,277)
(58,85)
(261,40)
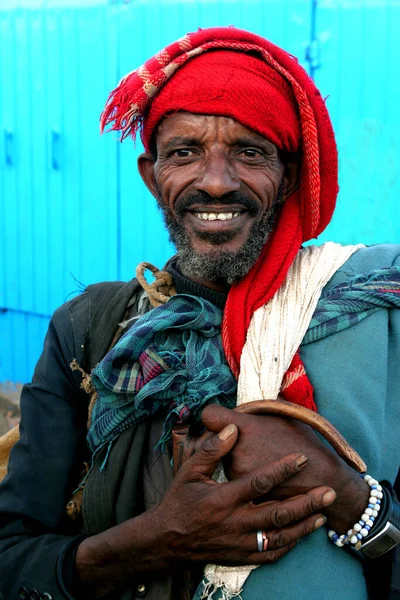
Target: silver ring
(260,540)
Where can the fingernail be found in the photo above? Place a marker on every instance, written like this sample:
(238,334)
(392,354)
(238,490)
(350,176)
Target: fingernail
(227,432)
(301,461)
(328,497)
(319,522)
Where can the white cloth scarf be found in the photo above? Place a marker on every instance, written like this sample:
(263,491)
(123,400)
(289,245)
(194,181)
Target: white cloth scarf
(273,337)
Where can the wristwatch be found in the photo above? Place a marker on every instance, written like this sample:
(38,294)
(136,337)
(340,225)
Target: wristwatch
(385,534)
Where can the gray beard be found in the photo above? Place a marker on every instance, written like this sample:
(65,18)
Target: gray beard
(220,266)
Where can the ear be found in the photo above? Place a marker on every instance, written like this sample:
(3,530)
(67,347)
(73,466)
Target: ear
(291,178)
(146,169)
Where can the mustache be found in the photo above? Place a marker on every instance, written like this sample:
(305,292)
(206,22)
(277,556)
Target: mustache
(203,199)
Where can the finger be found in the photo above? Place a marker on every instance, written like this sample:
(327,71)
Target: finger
(280,514)
(278,538)
(215,417)
(260,482)
(203,464)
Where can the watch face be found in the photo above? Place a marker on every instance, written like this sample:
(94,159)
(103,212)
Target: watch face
(384,541)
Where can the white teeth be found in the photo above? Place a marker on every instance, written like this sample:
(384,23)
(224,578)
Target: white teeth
(217,216)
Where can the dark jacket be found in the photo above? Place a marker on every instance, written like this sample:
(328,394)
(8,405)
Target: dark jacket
(37,540)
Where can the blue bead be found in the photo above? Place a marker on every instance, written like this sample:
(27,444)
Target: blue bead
(361,522)
(372,518)
(359,536)
(374,487)
(367,527)
(378,501)
(370,506)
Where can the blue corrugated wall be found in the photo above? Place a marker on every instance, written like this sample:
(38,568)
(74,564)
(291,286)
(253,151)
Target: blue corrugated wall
(73,209)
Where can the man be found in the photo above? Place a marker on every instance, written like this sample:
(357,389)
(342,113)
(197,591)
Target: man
(241,158)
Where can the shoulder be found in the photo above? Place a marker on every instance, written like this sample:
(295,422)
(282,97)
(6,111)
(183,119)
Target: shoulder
(88,321)
(368,259)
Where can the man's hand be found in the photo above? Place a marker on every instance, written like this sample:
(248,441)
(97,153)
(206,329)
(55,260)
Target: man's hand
(218,522)
(263,439)
(200,520)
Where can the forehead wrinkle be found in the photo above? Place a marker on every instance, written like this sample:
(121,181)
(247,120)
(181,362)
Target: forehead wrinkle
(191,129)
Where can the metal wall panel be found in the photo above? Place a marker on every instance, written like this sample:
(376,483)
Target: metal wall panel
(359,56)
(57,176)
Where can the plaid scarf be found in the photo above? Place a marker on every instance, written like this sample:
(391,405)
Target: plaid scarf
(348,303)
(171,361)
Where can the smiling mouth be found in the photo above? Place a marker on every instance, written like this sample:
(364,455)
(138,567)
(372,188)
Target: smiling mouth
(217,216)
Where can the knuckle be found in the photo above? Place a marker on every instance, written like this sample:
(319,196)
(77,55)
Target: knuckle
(210,447)
(259,485)
(314,504)
(278,540)
(280,471)
(280,516)
(307,527)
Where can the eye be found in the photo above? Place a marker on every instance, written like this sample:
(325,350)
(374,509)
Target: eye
(252,153)
(182,152)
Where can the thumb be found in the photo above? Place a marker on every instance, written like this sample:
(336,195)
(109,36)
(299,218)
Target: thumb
(205,461)
(215,417)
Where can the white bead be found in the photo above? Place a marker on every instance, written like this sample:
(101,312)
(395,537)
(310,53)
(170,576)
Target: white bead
(374,493)
(357,527)
(374,513)
(370,523)
(372,500)
(339,543)
(373,482)
(364,532)
(368,511)
(379,488)
(380,495)
(331,533)
(377,507)
(353,539)
(350,532)
(364,518)
(367,478)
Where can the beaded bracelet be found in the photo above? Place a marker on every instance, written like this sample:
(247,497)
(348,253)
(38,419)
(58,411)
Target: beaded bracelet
(362,528)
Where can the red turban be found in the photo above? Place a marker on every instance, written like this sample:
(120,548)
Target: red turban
(230,72)
(231,84)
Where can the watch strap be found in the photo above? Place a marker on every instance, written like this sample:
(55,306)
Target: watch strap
(386,533)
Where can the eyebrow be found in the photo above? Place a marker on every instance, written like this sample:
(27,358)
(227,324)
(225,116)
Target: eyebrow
(242,141)
(181,141)
(251,141)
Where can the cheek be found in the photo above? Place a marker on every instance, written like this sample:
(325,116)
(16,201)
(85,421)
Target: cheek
(171,183)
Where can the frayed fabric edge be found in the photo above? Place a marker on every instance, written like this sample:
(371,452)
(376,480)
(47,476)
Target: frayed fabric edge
(210,588)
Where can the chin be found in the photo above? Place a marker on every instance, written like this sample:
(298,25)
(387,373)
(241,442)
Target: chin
(222,265)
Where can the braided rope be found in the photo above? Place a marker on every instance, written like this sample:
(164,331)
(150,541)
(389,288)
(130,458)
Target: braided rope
(161,289)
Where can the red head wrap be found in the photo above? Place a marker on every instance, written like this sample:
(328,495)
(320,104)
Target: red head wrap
(264,88)
(231,84)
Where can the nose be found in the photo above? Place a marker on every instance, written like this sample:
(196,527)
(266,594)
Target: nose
(218,176)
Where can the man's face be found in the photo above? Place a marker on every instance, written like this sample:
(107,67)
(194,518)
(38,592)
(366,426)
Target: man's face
(219,185)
